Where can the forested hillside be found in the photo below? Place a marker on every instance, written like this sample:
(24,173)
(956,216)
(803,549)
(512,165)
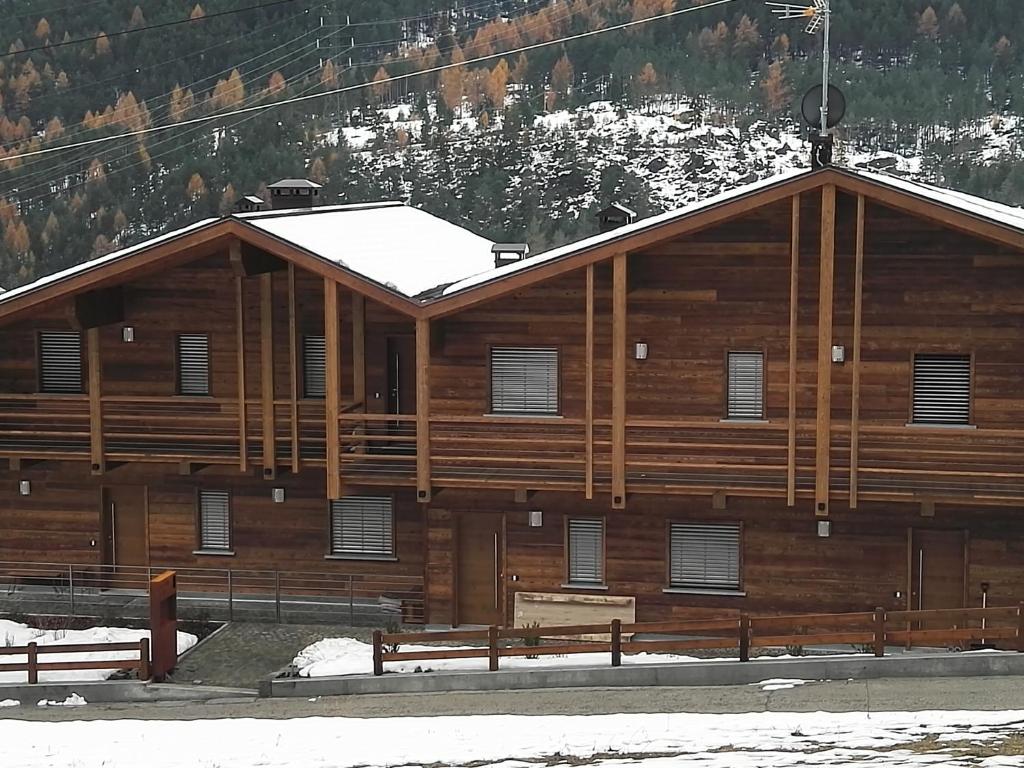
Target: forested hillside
(509,145)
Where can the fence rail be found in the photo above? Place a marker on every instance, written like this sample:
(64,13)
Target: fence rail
(871,629)
(33,666)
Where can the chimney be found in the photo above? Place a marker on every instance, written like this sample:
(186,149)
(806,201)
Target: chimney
(247,204)
(615,216)
(293,193)
(509,253)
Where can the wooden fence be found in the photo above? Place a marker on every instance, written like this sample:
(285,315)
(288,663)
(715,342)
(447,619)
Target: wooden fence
(869,629)
(33,666)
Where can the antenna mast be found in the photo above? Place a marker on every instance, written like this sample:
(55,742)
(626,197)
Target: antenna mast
(820,14)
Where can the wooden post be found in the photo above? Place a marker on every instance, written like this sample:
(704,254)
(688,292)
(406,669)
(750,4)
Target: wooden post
(744,626)
(243,429)
(33,664)
(144,673)
(794,319)
(267,374)
(879,632)
(423,484)
(293,368)
(1020,627)
(378,653)
(824,384)
(492,648)
(589,408)
(95,401)
(616,642)
(858,304)
(619,382)
(332,403)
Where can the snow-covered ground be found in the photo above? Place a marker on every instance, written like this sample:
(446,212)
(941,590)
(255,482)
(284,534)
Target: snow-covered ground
(13,634)
(754,740)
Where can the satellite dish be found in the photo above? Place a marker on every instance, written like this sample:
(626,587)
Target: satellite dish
(810,107)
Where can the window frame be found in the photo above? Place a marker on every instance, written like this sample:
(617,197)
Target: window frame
(178,367)
(305,389)
(738,591)
(82,376)
(391,558)
(726,415)
(214,551)
(970,393)
(567,554)
(557,413)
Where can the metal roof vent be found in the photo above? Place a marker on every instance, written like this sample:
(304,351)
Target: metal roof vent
(615,216)
(509,253)
(247,204)
(294,193)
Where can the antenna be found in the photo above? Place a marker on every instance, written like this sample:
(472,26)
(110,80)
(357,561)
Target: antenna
(820,14)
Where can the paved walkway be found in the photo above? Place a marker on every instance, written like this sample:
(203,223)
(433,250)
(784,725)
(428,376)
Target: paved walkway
(241,654)
(894,695)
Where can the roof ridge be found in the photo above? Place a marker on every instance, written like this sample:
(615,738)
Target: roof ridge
(341,207)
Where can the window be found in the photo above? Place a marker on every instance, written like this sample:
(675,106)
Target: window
(942,389)
(60,361)
(214,521)
(362,526)
(524,380)
(314,366)
(746,385)
(193,364)
(586,551)
(704,556)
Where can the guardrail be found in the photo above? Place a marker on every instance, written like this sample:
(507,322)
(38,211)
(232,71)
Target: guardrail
(874,629)
(33,666)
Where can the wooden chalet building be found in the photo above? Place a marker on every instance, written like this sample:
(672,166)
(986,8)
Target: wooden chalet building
(806,394)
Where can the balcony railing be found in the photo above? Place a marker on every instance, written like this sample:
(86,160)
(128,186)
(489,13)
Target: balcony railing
(45,427)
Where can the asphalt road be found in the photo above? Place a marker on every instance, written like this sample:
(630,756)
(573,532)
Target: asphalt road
(964,693)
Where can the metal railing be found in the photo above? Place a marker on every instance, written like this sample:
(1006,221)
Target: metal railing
(228,594)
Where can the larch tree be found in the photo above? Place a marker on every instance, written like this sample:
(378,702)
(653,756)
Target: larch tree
(138,19)
(43,29)
(647,82)
(520,70)
(318,171)
(928,24)
(101,246)
(196,188)
(197,12)
(562,76)
(54,129)
(775,88)
(276,83)
(497,85)
(380,85)
(453,80)
(102,44)
(120,222)
(746,38)
(329,75)
(96,175)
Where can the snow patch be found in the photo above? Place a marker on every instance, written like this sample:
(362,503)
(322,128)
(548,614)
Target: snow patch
(780,683)
(74,700)
(9,703)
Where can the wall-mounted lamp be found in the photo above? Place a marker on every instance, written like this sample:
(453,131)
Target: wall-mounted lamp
(824,528)
(838,354)
(128,334)
(278,495)
(641,350)
(25,488)
(536,518)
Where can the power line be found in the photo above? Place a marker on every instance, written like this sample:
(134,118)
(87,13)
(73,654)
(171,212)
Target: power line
(348,89)
(147,28)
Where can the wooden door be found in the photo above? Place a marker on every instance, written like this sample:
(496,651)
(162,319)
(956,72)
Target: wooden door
(125,526)
(401,392)
(937,565)
(480,573)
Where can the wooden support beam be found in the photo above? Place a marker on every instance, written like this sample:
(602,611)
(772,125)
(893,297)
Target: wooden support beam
(293,372)
(794,320)
(332,400)
(243,429)
(95,401)
(589,409)
(423,481)
(619,288)
(858,310)
(104,306)
(824,383)
(267,375)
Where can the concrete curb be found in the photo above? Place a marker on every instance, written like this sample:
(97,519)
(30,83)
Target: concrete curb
(118,691)
(704,673)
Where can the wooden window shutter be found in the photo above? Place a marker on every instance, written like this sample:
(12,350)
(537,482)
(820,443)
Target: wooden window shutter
(362,526)
(314,366)
(704,556)
(214,520)
(60,362)
(193,364)
(524,380)
(942,389)
(746,385)
(586,551)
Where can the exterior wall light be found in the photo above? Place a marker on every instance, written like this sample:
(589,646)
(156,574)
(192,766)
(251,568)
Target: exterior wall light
(536,518)
(128,334)
(25,488)
(641,350)
(278,495)
(824,529)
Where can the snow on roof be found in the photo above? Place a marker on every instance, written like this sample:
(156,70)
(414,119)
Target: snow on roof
(620,232)
(102,261)
(295,183)
(398,246)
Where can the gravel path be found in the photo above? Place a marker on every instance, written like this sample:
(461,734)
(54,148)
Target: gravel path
(988,693)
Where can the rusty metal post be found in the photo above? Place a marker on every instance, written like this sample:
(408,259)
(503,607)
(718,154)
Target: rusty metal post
(1020,627)
(144,672)
(277,595)
(71,587)
(492,647)
(33,664)
(879,632)
(231,597)
(616,642)
(744,637)
(378,653)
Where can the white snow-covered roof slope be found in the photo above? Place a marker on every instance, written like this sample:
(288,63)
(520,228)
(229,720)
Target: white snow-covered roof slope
(403,248)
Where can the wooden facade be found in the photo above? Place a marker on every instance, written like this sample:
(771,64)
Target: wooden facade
(839,500)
